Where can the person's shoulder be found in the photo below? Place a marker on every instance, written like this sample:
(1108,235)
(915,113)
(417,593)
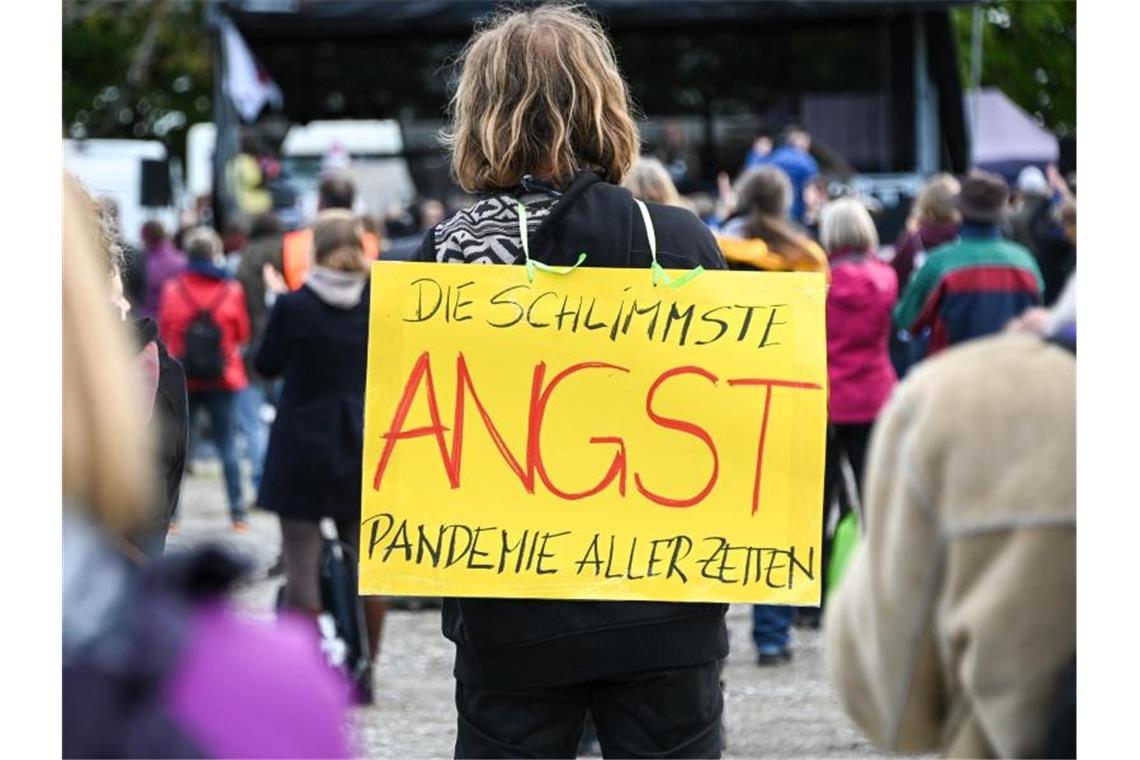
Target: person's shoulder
(425,251)
(942,255)
(958,375)
(676,221)
(295,300)
(1016,252)
(681,231)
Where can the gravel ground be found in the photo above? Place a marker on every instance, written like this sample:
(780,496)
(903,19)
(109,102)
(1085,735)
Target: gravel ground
(788,710)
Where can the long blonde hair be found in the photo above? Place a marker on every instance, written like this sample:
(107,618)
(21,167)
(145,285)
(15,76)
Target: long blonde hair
(106,462)
(649,181)
(937,202)
(765,196)
(540,93)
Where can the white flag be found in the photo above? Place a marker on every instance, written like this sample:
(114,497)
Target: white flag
(245,81)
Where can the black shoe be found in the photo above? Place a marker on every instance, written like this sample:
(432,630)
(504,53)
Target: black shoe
(766,659)
(809,618)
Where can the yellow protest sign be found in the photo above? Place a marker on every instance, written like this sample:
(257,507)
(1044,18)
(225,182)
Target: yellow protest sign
(594,436)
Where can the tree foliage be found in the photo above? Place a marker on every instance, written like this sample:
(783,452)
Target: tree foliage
(1029,50)
(135,70)
(115,85)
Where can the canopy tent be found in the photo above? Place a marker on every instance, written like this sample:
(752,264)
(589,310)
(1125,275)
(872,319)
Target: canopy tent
(1005,139)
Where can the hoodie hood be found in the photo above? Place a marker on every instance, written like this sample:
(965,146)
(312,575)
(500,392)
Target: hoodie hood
(341,290)
(592,217)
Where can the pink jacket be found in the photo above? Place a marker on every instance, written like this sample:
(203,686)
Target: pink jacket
(863,291)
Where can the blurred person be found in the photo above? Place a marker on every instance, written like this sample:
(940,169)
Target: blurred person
(402,233)
(971,287)
(1035,225)
(248,179)
(370,224)
(703,205)
(235,234)
(316,340)
(676,154)
(954,628)
(1031,193)
(528,671)
(1060,318)
(262,248)
(758,233)
(648,181)
(335,191)
(163,381)
(860,375)
(163,261)
(154,662)
(793,157)
(203,320)
(432,213)
(398,222)
(933,221)
(816,196)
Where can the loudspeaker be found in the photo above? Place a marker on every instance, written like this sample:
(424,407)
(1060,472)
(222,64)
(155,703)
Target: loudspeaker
(155,191)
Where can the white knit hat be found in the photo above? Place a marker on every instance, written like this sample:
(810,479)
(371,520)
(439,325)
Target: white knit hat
(1031,181)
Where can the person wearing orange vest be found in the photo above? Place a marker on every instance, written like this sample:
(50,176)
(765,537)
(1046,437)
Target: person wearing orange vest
(297,246)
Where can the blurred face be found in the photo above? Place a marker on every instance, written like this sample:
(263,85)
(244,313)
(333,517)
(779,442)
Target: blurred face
(814,198)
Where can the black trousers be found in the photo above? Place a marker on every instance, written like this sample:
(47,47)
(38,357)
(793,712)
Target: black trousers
(848,440)
(668,713)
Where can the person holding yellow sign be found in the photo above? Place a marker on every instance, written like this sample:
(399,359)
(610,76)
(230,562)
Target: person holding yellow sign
(543,132)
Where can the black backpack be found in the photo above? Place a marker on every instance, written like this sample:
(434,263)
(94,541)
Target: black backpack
(203,357)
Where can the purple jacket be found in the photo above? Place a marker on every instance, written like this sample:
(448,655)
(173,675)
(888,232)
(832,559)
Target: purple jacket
(911,248)
(156,664)
(162,262)
(861,376)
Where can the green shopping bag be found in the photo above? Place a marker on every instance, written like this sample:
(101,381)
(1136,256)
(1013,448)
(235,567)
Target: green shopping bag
(843,545)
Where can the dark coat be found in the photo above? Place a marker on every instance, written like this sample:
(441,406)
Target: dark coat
(910,244)
(313,464)
(525,644)
(257,253)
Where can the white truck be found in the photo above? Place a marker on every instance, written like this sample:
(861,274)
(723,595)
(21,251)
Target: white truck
(135,173)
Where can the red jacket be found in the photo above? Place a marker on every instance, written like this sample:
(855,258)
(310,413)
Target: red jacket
(175,312)
(863,290)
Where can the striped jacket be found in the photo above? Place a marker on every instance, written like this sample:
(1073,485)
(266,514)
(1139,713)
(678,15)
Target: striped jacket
(969,288)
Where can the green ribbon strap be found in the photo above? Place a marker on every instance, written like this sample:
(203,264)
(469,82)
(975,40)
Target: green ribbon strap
(531,264)
(659,273)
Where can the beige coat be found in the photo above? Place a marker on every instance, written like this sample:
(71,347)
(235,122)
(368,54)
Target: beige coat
(958,609)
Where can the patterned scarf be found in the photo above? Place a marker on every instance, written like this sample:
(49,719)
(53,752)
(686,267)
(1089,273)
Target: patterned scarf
(488,232)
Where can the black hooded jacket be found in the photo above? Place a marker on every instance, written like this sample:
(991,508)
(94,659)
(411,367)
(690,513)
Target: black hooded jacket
(528,644)
(169,420)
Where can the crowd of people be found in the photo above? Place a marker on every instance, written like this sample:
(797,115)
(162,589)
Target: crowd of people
(951,407)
